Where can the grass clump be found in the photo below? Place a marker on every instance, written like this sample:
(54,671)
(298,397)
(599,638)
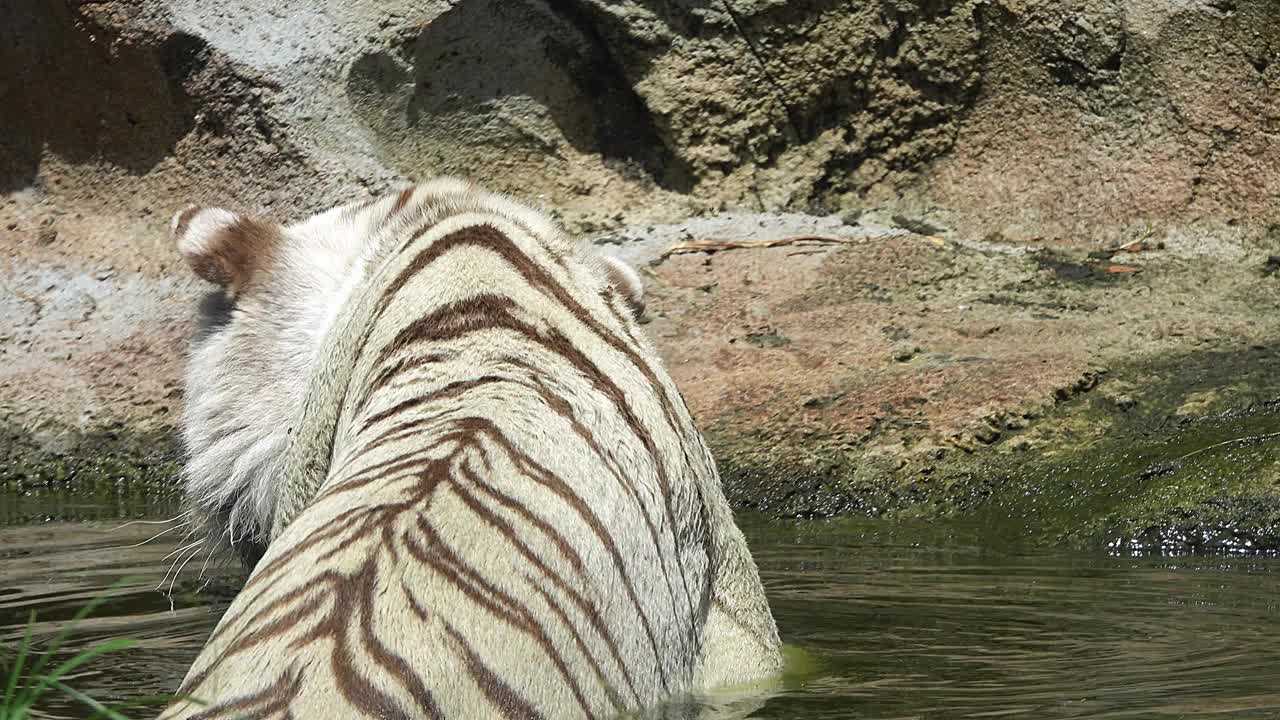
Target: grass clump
(27,676)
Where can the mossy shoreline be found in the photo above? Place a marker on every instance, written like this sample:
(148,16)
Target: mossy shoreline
(1174,455)
(73,476)
(1180,454)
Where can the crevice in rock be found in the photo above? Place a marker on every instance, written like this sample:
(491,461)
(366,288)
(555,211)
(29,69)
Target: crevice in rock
(512,82)
(626,127)
(779,91)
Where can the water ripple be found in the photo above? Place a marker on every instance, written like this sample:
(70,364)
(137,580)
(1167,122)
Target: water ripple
(902,631)
(897,628)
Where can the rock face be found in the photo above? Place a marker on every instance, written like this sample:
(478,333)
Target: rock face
(1057,119)
(967,153)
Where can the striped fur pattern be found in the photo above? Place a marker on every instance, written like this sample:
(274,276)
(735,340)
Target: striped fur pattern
(476,490)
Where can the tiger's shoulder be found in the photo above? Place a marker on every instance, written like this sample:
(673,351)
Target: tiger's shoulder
(270,338)
(469,483)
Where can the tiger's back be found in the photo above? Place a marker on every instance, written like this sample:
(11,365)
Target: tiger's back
(513,513)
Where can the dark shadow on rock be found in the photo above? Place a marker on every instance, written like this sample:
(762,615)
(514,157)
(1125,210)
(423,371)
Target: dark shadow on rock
(893,79)
(471,67)
(74,90)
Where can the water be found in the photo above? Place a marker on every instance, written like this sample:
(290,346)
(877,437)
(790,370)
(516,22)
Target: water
(56,568)
(948,629)
(897,623)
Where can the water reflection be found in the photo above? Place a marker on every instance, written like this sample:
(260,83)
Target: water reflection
(900,623)
(57,568)
(951,630)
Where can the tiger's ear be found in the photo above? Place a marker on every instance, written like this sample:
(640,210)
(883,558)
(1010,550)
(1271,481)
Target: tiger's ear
(626,281)
(223,247)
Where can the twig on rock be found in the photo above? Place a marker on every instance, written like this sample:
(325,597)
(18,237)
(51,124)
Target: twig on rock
(711,246)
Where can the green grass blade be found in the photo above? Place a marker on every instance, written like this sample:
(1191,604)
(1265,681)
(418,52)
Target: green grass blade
(71,624)
(11,687)
(153,700)
(99,709)
(24,685)
(72,664)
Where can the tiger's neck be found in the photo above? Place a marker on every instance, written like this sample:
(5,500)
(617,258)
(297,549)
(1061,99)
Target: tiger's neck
(473,271)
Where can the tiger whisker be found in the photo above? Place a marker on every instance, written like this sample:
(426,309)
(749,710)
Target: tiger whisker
(205,566)
(182,549)
(174,564)
(166,575)
(144,542)
(190,557)
(151,522)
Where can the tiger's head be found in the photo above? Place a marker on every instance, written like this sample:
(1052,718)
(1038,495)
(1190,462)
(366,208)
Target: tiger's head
(259,335)
(279,289)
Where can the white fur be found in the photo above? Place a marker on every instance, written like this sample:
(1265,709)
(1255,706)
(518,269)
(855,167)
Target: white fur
(177,217)
(203,226)
(244,383)
(626,281)
(630,516)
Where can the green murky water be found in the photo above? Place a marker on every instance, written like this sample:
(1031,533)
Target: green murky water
(897,622)
(947,629)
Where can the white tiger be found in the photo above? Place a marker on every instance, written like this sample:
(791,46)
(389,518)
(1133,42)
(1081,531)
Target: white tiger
(469,486)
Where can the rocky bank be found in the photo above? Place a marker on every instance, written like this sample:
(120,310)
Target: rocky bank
(1013,262)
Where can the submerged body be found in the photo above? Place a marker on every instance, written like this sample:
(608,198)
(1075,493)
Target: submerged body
(475,490)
